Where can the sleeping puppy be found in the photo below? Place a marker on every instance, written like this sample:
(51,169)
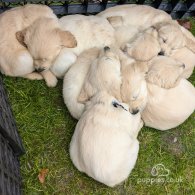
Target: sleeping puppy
(128,15)
(168,108)
(133,88)
(104,144)
(167,32)
(65,39)
(187,57)
(15,59)
(104,74)
(144,46)
(165,72)
(44,40)
(74,79)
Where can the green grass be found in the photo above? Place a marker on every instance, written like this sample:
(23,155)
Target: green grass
(46,127)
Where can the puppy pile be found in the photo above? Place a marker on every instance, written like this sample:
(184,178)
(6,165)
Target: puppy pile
(121,70)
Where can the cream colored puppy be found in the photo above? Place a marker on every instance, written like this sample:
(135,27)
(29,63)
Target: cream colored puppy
(165,72)
(15,59)
(187,57)
(128,15)
(74,80)
(133,88)
(44,40)
(168,108)
(65,39)
(144,46)
(104,144)
(167,33)
(104,74)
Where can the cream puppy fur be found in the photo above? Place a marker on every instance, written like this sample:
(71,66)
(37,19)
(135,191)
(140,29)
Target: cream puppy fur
(65,39)
(74,80)
(15,59)
(144,45)
(165,72)
(187,57)
(167,32)
(103,74)
(44,40)
(168,108)
(128,15)
(104,144)
(133,88)
(89,31)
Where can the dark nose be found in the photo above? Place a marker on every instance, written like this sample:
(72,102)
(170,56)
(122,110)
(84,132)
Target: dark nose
(40,69)
(161,53)
(135,111)
(106,48)
(183,66)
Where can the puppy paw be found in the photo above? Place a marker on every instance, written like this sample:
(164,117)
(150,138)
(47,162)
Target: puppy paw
(52,83)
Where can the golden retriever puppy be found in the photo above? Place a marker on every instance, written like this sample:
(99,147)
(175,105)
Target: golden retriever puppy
(165,72)
(65,39)
(104,144)
(168,108)
(137,15)
(167,33)
(44,40)
(104,74)
(15,59)
(187,57)
(133,87)
(74,79)
(144,45)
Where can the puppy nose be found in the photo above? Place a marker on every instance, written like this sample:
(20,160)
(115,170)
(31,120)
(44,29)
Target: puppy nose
(135,111)
(40,69)
(183,66)
(106,48)
(161,53)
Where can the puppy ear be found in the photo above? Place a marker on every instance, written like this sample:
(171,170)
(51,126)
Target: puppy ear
(20,35)
(115,21)
(83,97)
(189,38)
(67,38)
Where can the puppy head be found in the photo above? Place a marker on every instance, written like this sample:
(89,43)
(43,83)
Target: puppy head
(104,99)
(108,56)
(170,36)
(133,88)
(44,40)
(145,46)
(165,72)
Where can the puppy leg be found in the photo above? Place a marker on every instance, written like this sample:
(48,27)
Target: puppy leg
(50,78)
(33,76)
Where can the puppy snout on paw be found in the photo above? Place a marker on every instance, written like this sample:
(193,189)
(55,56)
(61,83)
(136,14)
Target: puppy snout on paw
(40,70)
(106,48)
(134,111)
(161,53)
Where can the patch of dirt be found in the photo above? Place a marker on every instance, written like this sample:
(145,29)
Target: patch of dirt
(173,144)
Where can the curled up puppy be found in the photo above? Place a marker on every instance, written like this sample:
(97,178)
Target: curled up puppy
(104,144)
(74,80)
(15,59)
(104,74)
(168,108)
(44,40)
